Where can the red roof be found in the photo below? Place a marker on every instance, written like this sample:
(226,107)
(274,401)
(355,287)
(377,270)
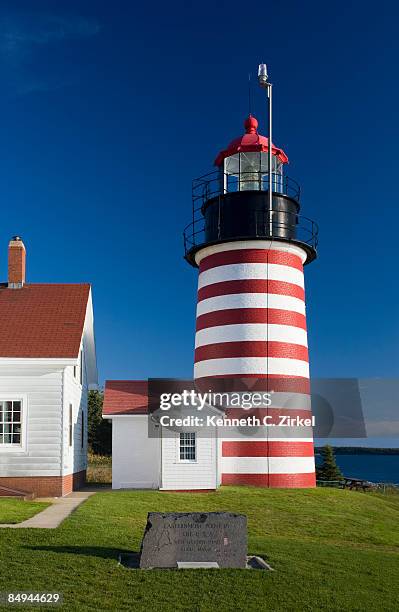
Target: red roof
(42,320)
(125,397)
(251,141)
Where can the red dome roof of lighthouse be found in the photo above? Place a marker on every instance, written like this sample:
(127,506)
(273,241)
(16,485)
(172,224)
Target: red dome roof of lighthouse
(251,141)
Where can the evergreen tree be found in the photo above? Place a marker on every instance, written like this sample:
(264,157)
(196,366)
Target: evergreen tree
(329,469)
(99,429)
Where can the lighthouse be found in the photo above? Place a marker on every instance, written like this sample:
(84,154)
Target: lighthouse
(250,243)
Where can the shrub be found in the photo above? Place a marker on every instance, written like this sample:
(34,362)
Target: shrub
(99,430)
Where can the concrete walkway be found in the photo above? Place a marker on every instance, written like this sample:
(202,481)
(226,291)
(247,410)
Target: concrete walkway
(52,517)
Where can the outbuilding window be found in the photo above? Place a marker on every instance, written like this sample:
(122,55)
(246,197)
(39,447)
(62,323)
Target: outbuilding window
(188,447)
(10,423)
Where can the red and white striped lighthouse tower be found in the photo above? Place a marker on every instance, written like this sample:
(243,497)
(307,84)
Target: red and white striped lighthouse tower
(251,320)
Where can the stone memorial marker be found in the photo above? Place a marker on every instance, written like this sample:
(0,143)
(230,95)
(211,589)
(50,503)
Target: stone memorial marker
(180,537)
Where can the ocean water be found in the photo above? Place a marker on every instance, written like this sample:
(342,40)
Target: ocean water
(376,468)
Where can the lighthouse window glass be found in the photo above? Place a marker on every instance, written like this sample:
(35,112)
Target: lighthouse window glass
(10,422)
(243,172)
(250,171)
(232,173)
(188,447)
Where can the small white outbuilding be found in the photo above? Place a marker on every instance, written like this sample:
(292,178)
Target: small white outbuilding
(170,460)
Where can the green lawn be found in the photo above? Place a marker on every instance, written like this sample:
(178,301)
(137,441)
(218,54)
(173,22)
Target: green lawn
(17,510)
(331,549)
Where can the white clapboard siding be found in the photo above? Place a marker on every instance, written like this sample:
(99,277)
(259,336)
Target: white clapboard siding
(42,456)
(135,456)
(200,474)
(75,456)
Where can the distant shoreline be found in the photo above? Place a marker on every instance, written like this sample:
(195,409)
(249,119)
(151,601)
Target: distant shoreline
(360,450)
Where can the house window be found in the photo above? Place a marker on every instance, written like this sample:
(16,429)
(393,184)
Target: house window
(83,428)
(11,422)
(70,424)
(188,447)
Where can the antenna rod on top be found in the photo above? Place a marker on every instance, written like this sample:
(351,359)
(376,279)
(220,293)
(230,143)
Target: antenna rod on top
(264,82)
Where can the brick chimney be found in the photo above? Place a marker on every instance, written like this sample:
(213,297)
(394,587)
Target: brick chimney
(16,263)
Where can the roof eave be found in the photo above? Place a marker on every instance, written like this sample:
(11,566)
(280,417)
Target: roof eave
(89,345)
(124,414)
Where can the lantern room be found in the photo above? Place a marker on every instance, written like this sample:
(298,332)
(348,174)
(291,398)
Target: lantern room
(244,164)
(234,202)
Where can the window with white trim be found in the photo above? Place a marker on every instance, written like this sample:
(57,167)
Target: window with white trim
(188,447)
(10,423)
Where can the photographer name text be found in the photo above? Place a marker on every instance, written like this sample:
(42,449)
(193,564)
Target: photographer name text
(248,421)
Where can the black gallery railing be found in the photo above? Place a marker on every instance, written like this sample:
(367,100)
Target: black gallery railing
(280,224)
(209,191)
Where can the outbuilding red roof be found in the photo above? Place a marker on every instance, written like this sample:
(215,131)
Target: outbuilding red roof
(42,320)
(125,397)
(251,141)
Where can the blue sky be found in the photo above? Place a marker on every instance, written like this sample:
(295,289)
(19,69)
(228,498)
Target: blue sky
(110,109)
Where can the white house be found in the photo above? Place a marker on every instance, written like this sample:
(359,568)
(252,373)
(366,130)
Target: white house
(171,461)
(47,366)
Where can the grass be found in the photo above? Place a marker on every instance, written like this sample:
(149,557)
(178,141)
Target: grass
(332,550)
(99,469)
(14,511)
